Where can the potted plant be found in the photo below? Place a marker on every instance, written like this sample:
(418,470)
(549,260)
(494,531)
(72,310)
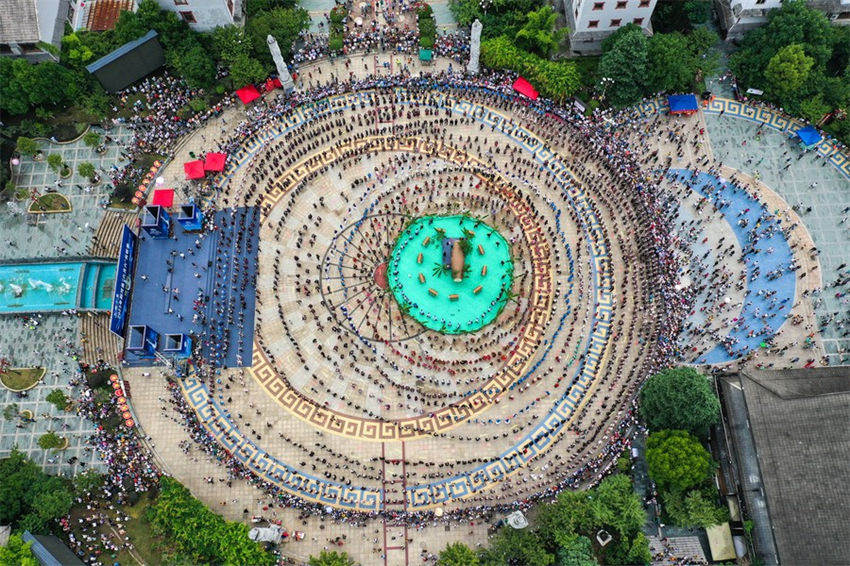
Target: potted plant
(58,399)
(87,170)
(94,141)
(52,441)
(54,160)
(28,146)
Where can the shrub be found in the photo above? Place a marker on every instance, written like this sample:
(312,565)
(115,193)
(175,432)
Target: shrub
(27,146)
(86,169)
(91,139)
(58,399)
(49,440)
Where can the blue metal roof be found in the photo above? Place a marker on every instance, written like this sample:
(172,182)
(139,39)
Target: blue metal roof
(123,50)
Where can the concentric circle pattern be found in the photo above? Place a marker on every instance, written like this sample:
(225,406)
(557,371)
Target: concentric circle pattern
(336,350)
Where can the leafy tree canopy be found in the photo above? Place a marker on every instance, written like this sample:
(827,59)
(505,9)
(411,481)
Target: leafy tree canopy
(788,70)
(677,460)
(516,546)
(29,498)
(679,398)
(332,558)
(693,509)
(576,551)
(539,34)
(17,553)
(457,554)
(283,23)
(624,61)
(195,534)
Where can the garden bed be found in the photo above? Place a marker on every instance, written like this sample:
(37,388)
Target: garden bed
(21,379)
(50,203)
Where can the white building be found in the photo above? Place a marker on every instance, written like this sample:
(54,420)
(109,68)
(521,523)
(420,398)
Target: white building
(591,21)
(738,17)
(204,15)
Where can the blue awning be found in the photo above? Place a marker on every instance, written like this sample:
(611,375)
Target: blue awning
(681,103)
(809,135)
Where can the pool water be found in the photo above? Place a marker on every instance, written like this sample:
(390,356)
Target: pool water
(43,287)
(430,294)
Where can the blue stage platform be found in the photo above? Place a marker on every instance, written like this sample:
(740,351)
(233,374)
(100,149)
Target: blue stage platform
(202,284)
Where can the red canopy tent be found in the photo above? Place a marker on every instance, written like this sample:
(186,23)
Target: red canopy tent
(248,93)
(163,197)
(522,86)
(194,169)
(215,162)
(272,84)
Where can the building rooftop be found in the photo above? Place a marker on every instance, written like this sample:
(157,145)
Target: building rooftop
(801,425)
(19,22)
(105,13)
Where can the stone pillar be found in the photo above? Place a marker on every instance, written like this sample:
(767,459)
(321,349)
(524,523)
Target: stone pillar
(282,70)
(474,48)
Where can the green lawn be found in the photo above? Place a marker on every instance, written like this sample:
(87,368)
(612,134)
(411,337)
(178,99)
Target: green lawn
(22,378)
(52,202)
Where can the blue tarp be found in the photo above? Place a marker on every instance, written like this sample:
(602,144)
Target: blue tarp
(809,135)
(682,103)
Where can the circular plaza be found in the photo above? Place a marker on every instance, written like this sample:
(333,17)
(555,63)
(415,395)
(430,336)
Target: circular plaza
(456,301)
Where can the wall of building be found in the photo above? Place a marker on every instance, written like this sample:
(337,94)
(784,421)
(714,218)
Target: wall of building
(591,21)
(204,15)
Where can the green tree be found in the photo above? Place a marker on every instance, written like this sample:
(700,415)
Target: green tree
(197,535)
(10,411)
(457,554)
(193,63)
(516,546)
(332,558)
(55,162)
(576,551)
(539,34)
(17,553)
(26,146)
(87,482)
(49,441)
(91,139)
(671,64)
(57,397)
(788,70)
(86,169)
(129,27)
(698,11)
(679,398)
(23,487)
(693,509)
(624,61)
(13,96)
(252,7)
(283,23)
(677,461)
(230,43)
(247,70)
(614,504)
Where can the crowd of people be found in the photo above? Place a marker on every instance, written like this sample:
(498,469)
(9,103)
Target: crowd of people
(607,149)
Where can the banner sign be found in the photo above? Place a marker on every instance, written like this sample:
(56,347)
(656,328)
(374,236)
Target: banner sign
(123,282)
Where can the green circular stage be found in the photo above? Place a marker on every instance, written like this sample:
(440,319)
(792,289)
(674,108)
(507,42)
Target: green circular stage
(451,273)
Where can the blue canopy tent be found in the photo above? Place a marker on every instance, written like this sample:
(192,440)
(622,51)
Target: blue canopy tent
(809,136)
(682,103)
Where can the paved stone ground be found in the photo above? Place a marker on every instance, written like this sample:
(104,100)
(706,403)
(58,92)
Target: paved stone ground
(166,433)
(766,156)
(44,345)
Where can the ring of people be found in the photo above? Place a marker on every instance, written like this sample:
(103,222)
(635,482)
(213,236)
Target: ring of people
(336,349)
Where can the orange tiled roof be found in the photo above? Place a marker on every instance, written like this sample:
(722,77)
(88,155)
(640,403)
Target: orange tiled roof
(104,13)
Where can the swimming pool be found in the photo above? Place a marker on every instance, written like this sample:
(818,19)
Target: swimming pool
(42,287)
